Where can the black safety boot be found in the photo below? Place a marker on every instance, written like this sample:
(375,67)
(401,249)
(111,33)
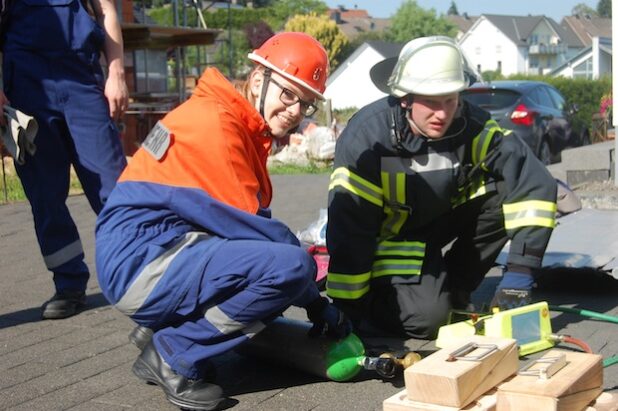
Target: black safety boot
(179,390)
(140,336)
(64,304)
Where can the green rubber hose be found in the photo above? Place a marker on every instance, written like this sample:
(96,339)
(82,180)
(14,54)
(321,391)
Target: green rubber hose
(610,361)
(585,313)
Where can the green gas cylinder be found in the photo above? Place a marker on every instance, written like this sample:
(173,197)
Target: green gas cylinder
(286,342)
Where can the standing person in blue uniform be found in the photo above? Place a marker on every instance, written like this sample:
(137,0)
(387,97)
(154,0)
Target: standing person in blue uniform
(51,71)
(186,245)
(420,170)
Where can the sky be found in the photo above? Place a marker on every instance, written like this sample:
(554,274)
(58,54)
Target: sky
(556,9)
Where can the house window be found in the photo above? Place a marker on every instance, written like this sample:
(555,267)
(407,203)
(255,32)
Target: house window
(478,68)
(533,62)
(498,49)
(583,70)
(477,50)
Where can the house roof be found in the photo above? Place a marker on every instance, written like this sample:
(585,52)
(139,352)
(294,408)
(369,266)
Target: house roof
(346,14)
(385,49)
(519,28)
(587,27)
(463,22)
(353,27)
(356,21)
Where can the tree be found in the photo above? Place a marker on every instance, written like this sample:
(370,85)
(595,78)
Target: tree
(604,8)
(452,10)
(282,10)
(582,9)
(324,30)
(412,21)
(234,64)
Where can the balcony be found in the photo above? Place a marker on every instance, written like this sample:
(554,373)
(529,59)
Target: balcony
(546,49)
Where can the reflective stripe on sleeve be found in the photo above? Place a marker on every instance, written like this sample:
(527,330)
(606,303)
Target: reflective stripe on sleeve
(347,286)
(529,213)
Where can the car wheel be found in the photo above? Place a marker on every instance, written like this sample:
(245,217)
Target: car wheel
(545,153)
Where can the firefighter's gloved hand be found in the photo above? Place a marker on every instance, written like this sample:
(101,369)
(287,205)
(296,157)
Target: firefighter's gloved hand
(327,319)
(515,290)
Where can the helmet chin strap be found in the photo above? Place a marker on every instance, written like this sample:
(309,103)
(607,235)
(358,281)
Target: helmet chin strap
(265,82)
(417,129)
(407,105)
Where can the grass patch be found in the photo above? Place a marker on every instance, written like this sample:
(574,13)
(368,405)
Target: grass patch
(13,191)
(312,168)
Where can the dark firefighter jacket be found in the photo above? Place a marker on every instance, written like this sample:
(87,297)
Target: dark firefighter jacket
(390,192)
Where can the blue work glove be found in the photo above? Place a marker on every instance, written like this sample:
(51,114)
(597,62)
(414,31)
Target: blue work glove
(514,290)
(327,319)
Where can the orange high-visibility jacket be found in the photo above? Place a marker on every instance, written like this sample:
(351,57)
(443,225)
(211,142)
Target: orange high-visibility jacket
(211,178)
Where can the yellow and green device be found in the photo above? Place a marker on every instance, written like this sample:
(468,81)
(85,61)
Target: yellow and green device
(530,325)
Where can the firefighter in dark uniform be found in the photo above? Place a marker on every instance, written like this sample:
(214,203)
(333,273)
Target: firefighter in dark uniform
(426,191)
(51,71)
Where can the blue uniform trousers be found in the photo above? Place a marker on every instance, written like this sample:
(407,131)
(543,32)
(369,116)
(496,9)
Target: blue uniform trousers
(65,95)
(210,294)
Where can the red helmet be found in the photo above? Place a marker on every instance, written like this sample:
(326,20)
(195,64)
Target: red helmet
(296,56)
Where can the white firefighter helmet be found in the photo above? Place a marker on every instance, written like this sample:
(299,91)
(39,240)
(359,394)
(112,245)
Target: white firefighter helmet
(430,66)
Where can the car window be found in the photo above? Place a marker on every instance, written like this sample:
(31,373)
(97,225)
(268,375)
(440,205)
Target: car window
(540,96)
(490,99)
(557,98)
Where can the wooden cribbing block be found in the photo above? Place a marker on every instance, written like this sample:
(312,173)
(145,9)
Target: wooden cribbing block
(573,387)
(441,380)
(400,402)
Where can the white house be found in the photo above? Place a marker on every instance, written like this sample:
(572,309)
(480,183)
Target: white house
(350,85)
(518,44)
(591,62)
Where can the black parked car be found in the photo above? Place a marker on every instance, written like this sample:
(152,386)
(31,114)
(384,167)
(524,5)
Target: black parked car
(536,111)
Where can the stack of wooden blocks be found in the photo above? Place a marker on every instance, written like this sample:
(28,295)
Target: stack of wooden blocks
(480,373)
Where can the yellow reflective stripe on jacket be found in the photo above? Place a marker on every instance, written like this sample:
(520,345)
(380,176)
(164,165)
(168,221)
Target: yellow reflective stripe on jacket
(396,266)
(395,207)
(356,185)
(410,261)
(480,143)
(347,286)
(403,248)
(529,213)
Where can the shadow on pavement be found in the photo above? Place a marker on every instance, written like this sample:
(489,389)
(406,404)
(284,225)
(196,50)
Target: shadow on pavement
(32,315)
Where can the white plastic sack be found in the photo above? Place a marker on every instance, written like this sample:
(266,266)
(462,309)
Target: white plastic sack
(315,233)
(321,144)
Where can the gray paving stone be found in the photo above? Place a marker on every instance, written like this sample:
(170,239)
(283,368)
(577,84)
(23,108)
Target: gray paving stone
(84,362)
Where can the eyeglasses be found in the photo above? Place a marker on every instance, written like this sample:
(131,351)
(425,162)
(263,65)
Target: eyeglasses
(289,98)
